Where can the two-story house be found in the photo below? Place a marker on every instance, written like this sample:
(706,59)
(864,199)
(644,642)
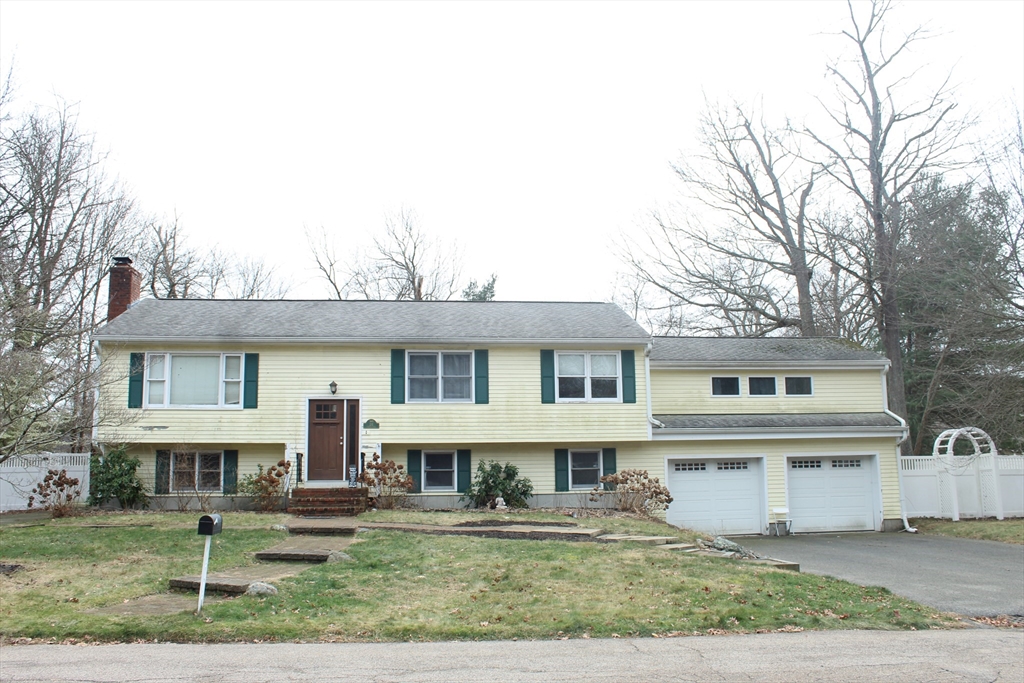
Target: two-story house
(204,391)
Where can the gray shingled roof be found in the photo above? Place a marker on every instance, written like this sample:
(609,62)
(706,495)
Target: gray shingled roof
(698,350)
(373,321)
(777,421)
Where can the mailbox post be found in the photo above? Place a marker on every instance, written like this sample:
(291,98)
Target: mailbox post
(208,526)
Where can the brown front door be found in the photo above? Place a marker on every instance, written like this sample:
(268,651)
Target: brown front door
(331,451)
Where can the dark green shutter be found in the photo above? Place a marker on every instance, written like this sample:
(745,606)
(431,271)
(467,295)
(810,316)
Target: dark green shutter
(415,469)
(480,361)
(136,370)
(628,377)
(608,464)
(252,380)
(398,376)
(547,377)
(230,472)
(561,469)
(162,483)
(463,461)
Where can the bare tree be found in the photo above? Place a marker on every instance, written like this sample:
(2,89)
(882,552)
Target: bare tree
(744,258)
(61,221)
(403,264)
(879,148)
(175,270)
(252,278)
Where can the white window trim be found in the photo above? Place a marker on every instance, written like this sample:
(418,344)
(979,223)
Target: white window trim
(440,377)
(789,395)
(221,405)
(220,487)
(423,471)
(775,395)
(711,386)
(600,468)
(587,377)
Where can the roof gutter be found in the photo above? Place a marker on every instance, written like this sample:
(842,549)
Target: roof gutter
(736,433)
(761,365)
(587,342)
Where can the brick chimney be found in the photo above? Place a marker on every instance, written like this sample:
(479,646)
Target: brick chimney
(125,287)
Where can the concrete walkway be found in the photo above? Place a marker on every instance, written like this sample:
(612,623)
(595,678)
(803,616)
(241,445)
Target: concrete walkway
(850,656)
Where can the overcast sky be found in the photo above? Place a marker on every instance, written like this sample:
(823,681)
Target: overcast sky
(531,133)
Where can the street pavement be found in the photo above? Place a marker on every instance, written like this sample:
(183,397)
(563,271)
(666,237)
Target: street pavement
(963,656)
(975,578)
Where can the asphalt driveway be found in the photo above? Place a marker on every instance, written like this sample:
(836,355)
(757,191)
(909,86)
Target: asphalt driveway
(975,578)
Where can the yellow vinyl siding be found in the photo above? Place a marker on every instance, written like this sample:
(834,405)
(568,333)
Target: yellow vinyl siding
(291,375)
(682,392)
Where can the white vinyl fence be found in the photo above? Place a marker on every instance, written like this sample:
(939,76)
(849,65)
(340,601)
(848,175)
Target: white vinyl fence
(963,486)
(20,474)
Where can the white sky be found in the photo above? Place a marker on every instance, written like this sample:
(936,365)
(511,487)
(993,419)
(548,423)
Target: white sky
(532,133)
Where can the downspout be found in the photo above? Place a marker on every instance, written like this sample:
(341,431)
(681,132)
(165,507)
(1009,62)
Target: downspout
(903,437)
(651,422)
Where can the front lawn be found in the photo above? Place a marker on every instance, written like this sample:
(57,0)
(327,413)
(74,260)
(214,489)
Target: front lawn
(1004,530)
(407,586)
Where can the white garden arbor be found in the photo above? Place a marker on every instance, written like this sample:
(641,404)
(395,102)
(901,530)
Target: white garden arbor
(981,466)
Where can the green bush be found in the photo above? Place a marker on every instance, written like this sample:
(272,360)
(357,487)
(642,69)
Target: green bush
(115,475)
(493,480)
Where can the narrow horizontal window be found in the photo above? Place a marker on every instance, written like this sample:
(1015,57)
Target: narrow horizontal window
(805,464)
(725,386)
(738,465)
(761,386)
(846,463)
(798,386)
(690,467)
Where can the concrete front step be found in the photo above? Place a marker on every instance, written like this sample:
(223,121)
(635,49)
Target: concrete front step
(237,580)
(313,549)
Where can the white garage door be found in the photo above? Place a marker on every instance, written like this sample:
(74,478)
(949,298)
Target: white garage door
(831,493)
(717,496)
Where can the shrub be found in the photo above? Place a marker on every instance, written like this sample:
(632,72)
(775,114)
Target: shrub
(635,491)
(265,487)
(57,493)
(115,475)
(389,483)
(493,480)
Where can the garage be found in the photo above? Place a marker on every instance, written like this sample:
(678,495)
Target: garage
(717,495)
(831,493)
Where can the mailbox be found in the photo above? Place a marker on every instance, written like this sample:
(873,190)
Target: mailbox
(209,525)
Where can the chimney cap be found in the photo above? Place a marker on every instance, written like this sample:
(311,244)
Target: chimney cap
(122,261)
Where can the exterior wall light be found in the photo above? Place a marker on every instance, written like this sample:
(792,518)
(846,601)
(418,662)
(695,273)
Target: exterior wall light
(334,388)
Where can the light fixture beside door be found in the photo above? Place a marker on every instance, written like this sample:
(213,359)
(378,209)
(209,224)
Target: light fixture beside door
(334,388)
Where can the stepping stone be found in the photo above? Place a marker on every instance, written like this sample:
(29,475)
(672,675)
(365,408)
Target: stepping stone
(777,564)
(315,549)
(678,546)
(237,580)
(649,540)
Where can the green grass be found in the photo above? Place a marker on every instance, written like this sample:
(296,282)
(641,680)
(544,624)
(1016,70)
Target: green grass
(1004,530)
(407,586)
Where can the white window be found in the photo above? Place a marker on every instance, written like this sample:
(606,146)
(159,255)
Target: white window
(799,386)
(440,376)
(196,471)
(584,469)
(438,471)
(194,380)
(761,386)
(588,376)
(725,386)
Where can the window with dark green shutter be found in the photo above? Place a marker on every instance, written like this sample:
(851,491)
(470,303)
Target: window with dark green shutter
(481,390)
(464,462)
(398,376)
(628,376)
(136,370)
(414,466)
(162,481)
(547,377)
(252,380)
(561,469)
